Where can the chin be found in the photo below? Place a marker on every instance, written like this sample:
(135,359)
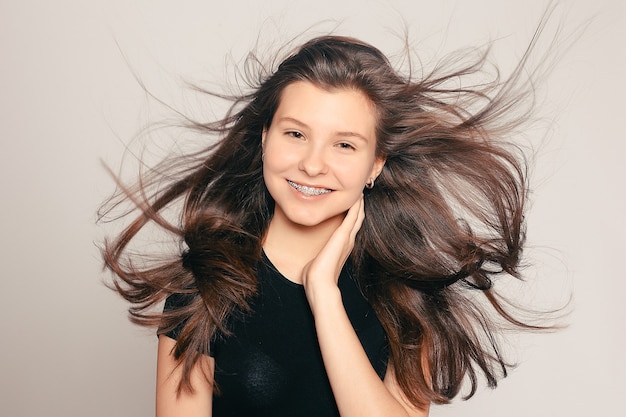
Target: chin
(305,220)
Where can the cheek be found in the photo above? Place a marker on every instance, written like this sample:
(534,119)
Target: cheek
(278,155)
(271,163)
(356,174)
(276,167)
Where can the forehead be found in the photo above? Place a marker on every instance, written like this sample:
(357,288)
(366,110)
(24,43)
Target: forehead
(340,108)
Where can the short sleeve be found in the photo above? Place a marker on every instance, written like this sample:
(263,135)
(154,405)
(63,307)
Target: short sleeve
(174,302)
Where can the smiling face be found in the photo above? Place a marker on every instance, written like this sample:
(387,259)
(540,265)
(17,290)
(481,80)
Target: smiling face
(319,153)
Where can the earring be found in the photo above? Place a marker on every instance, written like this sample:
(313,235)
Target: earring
(369,185)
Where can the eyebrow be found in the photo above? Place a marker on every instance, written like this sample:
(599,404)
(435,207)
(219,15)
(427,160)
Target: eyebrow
(303,125)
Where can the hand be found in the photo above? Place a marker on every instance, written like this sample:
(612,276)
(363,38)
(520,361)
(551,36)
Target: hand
(322,273)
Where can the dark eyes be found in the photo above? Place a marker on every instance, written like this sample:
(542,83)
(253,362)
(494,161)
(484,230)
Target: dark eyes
(341,145)
(346,146)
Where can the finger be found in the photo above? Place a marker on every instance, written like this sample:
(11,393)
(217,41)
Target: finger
(351,224)
(342,239)
(338,248)
(359,220)
(350,221)
(353,213)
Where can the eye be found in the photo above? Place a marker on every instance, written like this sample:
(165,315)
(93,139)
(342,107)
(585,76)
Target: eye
(295,134)
(346,146)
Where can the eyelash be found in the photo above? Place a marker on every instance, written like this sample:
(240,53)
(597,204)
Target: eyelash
(345,145)
(298,135)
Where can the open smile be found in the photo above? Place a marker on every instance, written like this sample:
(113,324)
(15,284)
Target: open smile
(310,191)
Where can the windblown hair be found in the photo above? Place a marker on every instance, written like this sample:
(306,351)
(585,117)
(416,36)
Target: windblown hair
(445,218)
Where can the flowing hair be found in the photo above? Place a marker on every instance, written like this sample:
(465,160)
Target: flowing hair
(444,220)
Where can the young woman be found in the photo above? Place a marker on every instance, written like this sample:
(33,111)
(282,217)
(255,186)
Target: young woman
(338,243)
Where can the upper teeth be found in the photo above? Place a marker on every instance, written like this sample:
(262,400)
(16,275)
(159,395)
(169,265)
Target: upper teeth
(308,190)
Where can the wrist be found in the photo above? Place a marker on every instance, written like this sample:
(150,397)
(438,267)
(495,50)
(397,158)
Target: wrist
(323,297)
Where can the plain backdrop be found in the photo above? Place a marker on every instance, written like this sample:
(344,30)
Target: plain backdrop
(68,99)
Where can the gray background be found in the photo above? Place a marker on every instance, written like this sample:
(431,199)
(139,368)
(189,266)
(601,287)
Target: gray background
(67,98)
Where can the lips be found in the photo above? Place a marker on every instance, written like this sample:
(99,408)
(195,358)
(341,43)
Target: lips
(310,191)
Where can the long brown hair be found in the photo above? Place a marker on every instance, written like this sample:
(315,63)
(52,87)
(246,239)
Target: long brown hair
(445,218)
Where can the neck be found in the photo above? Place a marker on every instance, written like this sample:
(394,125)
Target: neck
(291,246)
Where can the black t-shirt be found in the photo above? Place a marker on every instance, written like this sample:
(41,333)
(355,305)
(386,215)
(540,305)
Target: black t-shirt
(271,365)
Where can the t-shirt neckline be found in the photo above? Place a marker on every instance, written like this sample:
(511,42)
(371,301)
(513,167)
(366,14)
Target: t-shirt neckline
(279,274)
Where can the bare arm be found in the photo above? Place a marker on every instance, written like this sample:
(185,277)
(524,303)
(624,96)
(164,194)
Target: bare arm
(357,388)
(168,403)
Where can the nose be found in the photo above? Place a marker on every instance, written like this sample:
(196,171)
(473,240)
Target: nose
(313,162)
